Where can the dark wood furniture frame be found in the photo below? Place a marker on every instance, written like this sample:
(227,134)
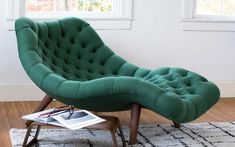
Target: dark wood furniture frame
(111,124)
(134,121)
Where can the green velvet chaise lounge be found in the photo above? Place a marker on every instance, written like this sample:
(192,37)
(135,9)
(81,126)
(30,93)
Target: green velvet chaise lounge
(68,61)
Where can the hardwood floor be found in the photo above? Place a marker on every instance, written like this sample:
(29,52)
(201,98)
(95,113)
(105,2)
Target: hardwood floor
(10,113)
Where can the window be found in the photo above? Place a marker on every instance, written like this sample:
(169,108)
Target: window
(220,9)
(102,14)
(81,8)
(209,15)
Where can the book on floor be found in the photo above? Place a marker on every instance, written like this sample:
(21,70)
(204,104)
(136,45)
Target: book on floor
(66,117)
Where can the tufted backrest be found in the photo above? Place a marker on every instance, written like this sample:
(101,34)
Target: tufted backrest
(67,47)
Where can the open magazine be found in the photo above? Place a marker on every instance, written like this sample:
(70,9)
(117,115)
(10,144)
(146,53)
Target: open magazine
(75,120)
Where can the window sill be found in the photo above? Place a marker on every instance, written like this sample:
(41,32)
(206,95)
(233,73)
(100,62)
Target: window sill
(121,23)
(189,24)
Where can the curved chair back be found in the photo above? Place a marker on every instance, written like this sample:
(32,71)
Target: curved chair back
(67,47)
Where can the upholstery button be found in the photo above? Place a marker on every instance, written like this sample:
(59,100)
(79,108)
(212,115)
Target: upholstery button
(72,41)
(58,44)
(94,50)
(203,79)
(53,62)
(52,68)
(65,61)
(55,53)
(63,34)
(77,67)
(88,70)
(83,45)
(68,51)
(65,70)
(46,44)
(43,58)
(188,84)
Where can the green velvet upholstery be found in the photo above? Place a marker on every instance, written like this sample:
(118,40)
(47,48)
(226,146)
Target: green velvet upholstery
(68,60)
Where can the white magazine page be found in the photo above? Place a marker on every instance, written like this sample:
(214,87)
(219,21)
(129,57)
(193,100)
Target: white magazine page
(77,119)
(37,117)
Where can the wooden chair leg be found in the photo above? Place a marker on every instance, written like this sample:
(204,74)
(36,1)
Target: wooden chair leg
(34,139)
(114,138)
(176,125)
(42,105)
(121,134)
(134,123)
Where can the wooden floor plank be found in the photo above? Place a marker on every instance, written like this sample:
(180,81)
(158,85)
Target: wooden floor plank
(10,109)
(2,110)
(4,132)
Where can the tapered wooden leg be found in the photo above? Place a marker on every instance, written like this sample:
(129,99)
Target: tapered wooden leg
(176,125)
(114,138)
(134,123)
(121,134)
(34,139)
(42,105)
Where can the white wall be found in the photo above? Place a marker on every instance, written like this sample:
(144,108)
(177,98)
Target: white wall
(155,40)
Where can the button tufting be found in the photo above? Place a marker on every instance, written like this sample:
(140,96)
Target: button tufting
(102,63)
(72,40)
(184,74)
(94,50)
(188,84)
(203,79)
(52,68)
(62,34)
(65,70)
(44,51)
(46,44)
(55,53)
(77,67)
(58,44)
(83,45)
(53,61)
(77,76)
(114,73)
(68,51)
(65,61)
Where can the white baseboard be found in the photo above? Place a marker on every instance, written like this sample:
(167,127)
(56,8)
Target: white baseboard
(20,92)
(30,92)
(227,88)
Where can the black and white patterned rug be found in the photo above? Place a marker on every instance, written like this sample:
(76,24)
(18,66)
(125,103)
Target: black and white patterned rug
(210,134)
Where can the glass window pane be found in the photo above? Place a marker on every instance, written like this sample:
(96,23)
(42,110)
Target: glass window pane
(69,5)
(228,8)
(208,7)
(39,5)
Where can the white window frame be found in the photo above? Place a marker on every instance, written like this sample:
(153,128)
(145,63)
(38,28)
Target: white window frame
(121,21)
(192,22)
